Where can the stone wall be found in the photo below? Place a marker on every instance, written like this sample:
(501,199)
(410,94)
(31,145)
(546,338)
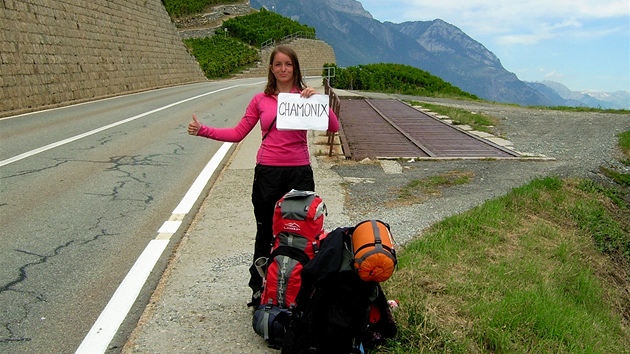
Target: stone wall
(55,52)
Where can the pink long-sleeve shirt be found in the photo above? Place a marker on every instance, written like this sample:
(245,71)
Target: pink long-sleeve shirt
(279,147)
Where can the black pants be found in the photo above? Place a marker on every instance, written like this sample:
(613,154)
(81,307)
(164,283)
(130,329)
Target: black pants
(270,184)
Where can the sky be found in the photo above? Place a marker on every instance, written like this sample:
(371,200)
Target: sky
(582,44)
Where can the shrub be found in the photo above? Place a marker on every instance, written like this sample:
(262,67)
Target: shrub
(397,78)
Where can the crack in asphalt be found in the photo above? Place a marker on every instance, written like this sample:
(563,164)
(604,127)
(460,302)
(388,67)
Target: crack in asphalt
(179,149)
(101,231)
(36,170)
(101,141)
(127,177)
(29,299)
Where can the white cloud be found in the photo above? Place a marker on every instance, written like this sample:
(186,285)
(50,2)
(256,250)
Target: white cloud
(566,41)
(564,24)
(554,75)
(525,39)
(544,31)
(515,17)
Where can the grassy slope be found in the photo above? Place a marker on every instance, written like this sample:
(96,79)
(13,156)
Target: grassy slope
(545,269)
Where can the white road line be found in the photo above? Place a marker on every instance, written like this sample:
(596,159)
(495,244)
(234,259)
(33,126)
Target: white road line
(102,332)
(98,130)
(105,327)
(195,189)
(116,310)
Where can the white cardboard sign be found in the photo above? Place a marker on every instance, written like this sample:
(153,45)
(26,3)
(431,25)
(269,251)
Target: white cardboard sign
(299,113)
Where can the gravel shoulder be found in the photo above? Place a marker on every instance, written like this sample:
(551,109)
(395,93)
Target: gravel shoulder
(199,305)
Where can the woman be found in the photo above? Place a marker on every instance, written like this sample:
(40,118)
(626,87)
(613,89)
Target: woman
(283,159)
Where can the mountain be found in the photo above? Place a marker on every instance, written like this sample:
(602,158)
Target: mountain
(434,46)
(606,100)
(620,99)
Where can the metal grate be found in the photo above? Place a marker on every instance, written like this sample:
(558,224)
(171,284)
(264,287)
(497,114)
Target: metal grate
(393,129)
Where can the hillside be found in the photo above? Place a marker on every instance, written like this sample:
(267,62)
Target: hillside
(434,46)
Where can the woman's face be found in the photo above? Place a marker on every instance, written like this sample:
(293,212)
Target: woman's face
(282,68)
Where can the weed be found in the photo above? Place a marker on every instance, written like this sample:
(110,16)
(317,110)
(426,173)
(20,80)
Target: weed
(419,189)
(477,121)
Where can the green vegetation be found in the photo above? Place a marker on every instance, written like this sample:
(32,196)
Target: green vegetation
(543,269)
(178,8)
(587,109)
(395,78)
(417,190)
(621,177)
(219,56)
(222,55)
(624,145)
(477,121)
(261,26)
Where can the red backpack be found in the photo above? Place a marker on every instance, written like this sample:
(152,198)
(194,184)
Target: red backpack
(298,224)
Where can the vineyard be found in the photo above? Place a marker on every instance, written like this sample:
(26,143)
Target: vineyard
(235,47)
(219,56)
(258,27)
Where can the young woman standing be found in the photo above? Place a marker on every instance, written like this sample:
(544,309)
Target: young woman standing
(283,159)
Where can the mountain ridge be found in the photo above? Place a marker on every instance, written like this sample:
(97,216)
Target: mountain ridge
(434,46)
(358,38)
(606,100)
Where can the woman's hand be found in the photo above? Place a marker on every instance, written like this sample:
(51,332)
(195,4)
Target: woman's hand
(308,92)
(194,126)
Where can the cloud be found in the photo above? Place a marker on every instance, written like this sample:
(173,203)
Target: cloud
(562,40)
(554,75)
(544,31)
(564,24)
(524,39)
(518,20)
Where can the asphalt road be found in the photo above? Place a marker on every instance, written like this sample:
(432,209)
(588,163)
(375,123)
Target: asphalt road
(83,190)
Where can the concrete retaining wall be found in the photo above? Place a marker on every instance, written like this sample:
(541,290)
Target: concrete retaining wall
(312,53)
(54,52)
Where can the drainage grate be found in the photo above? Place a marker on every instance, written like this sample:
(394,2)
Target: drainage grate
(392,129)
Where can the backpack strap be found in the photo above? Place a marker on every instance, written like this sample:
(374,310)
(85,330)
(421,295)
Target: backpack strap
(291,252)
(270,125)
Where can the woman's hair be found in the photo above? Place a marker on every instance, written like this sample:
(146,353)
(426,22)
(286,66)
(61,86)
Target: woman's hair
(298,81)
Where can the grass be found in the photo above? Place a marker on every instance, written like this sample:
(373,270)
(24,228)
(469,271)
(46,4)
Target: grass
(621,178)
(479,122)
(624,145)
(585,109)
(420,189)
(521,273)
(544,269)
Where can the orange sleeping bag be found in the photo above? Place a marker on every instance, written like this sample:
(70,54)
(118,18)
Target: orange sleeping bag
(373,248)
